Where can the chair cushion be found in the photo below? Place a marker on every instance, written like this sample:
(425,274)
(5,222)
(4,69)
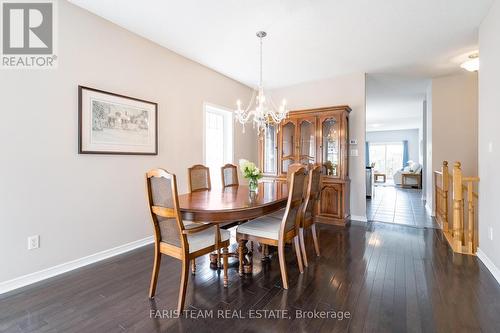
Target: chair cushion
(277,214)
(265,227)
(205,238)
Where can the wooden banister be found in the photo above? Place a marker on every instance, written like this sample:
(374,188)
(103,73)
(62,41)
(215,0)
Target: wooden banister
(457,205)
(441,184)
(462,236)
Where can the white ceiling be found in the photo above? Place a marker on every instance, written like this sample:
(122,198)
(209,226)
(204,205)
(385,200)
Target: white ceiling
(394,102)
(308,39)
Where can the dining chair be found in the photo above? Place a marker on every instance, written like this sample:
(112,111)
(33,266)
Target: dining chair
(229,173)
(173,237)
(291,169)
(309,210)
(199,178)
(271,231)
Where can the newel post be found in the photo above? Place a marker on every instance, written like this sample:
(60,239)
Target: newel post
(446,182)
(470,218)
(457,206)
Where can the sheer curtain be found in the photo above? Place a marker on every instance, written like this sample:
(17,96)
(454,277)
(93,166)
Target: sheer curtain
(367,153)
(406,156)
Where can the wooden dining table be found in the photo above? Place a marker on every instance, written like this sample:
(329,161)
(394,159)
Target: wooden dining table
(234,204)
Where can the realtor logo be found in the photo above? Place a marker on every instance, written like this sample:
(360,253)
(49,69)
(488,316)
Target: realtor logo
(28,34)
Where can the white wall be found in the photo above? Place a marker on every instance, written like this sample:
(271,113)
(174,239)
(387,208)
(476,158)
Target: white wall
(82,204)
(350,90)
(489,133)
(452,132)
(428,149)
(423,148)
(398,136)
(454,121)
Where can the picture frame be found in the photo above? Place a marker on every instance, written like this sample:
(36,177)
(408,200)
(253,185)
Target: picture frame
(114,124)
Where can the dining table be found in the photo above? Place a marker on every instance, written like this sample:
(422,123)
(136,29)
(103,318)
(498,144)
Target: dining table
(234,204)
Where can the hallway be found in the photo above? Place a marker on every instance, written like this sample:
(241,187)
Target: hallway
(399,206)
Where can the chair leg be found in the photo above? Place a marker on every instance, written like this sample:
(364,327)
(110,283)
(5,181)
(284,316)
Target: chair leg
(315,238)
(156,271)
(303,246)
(193,267)
(265,252)
(225,258)
(297,253)
(218,258)
(240,256)
(183,286)
(281,257)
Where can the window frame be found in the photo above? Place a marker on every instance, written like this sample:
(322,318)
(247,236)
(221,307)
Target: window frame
(385,144)
(228,125)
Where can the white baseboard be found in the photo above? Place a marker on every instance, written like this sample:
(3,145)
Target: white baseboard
(71,265)
(360,218)
(489,264)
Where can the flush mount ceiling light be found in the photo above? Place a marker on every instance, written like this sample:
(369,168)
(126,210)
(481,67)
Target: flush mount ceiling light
(471,65)
(261,110)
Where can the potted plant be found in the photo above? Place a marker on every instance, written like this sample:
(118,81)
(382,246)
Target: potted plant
(251,173)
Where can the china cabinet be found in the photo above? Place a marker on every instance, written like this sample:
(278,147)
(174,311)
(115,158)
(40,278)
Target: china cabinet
(308,137)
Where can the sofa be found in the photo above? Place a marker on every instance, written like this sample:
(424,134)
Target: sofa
(412,167)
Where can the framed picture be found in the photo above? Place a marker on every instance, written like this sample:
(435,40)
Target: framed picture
(109,123)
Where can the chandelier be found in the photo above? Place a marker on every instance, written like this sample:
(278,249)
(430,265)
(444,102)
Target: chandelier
(261,110)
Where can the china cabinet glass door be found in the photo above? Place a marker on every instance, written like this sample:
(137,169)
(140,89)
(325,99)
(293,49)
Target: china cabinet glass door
(270,154)
(330,146)
(287,146)
(307,141)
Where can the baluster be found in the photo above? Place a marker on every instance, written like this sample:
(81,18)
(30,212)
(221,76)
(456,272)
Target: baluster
(457,207)
(445,181)
(436,195)
(470,208)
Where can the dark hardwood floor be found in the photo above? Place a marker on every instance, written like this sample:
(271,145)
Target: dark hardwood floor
(389,278)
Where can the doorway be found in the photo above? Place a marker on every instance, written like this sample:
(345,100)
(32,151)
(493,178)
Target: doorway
(395,145)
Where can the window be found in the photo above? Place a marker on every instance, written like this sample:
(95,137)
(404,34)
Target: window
(218,140)
(388,157)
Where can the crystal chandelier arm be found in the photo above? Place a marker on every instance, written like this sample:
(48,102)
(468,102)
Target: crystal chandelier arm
(277,113)
(243,116)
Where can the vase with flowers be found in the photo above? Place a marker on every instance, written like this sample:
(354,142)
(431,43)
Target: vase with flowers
(252,173)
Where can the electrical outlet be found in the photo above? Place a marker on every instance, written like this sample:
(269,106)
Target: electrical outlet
(491,233)
(33,242)
(490,147)
(354,152)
